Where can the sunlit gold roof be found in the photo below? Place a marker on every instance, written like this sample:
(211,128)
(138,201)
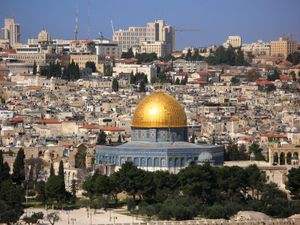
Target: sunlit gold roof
(159,110)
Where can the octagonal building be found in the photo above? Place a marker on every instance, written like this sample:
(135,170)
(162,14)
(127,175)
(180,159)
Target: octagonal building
(159,139)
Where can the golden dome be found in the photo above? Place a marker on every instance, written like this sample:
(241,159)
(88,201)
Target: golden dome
(159,110)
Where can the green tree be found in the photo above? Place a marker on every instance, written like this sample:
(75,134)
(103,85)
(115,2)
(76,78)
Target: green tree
(5,172)
(115,85)
(294,58)
(53,218)
(52,172)
(177,81)
(199,181)
(188,56)
(257,151)
(128,54)
(34,69)
(34,218)
(293,182)
(91,65)
(235,80)
(11,199)
(275,75)
(101,140)
(275,201)
(255,180)
(142,86)
(131,179)
(119,139)
(18,175)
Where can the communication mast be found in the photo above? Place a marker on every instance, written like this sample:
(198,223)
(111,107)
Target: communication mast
(76,25)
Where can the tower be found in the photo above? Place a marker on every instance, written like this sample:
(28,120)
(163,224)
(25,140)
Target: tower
(76,26)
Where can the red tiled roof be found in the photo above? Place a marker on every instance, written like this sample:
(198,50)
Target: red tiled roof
(48,122)
(274,135)
(113,129)
(264,82)
(89,127)
(203,74)
(2,78)
(285,78)
(66,145)
(16,119)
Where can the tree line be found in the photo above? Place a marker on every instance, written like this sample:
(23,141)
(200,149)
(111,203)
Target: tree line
(215,192)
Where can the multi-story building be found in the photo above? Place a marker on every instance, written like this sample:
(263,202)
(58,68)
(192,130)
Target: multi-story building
(29,58)
(81,60)
(158,47)
(189,66)
(82,47)
(149,70)
(44,36)
(154,31)
(257,48)
(108,48)
(11,31)
(283,47)
(234,41)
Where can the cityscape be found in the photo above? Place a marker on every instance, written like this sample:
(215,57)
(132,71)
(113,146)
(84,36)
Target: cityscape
(147,123)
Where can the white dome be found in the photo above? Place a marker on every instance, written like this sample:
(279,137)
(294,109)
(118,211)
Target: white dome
(205,157)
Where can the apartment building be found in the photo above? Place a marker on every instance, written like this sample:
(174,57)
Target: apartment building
(152,32)
(234,41)
(283,47)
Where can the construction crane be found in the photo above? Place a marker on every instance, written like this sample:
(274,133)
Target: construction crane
(112,27)
(186,29)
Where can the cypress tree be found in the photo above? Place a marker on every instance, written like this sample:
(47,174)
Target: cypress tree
(52,172)
(5,172)
(61,175)
(18,175)
(34,69)
(115,85)
(1,164)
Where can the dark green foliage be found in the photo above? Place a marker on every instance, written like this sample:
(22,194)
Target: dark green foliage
(196,56)
(52,172)
(52,70)
(11,198)
(119,139)
(188,56)
(231,56)
(294,58)
(101,140)
(212,192)
(275,201)
(34,69)
(127,55)
(142,87)
(235,80)
(255,148)
(18,175)
(198,181)
(115,85)
(293,182)
(146,57)
(34,218)
(41,192)
(235,153)
(275,75)
(91,65)
(71,72)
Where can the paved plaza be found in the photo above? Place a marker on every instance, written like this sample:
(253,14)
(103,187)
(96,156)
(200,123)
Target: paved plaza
(85,216)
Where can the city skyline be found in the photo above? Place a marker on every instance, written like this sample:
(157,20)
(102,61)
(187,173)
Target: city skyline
(260,19)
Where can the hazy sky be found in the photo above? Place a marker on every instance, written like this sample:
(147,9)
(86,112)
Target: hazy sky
(216,19)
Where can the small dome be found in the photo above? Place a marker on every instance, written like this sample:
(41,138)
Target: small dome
(159,110)
(205,157)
